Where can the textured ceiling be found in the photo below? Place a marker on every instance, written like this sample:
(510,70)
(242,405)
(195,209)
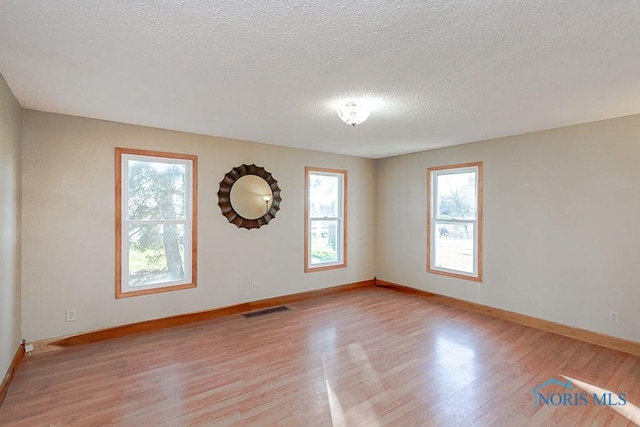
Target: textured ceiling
(439,72)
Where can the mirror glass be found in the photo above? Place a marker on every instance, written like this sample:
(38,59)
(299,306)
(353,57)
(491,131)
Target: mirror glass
(251,197)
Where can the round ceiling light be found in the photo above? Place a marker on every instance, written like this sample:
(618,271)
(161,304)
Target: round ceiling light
(353,113)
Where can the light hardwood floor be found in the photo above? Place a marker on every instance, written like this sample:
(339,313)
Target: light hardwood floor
(370,357)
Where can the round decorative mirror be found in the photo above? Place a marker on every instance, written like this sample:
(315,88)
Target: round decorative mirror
(249,196)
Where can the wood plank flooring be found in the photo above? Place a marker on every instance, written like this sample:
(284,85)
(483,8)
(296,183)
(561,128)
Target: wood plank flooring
(370,357)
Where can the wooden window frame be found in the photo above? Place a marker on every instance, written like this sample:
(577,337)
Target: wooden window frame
(477,275)
(342,263)
(119,238)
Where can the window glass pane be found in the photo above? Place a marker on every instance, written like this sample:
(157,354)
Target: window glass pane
(156,190)
(324,241)
(454,246)
(156,253)
(456,195)
(324,196)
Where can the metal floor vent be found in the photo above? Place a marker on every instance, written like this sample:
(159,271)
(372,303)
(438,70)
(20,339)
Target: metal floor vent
(266,311)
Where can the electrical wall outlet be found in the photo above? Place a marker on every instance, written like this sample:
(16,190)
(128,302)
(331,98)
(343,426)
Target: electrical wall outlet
(254,286)
(613,316)
(71,315)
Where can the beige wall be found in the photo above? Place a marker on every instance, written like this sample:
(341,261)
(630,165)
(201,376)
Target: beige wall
(68,225)
(561,224)
(10,141)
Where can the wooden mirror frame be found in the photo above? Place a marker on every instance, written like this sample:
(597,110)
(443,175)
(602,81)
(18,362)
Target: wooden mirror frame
(224,196)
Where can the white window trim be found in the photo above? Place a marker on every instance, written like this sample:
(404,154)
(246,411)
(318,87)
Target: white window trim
(341,220)
(433,221)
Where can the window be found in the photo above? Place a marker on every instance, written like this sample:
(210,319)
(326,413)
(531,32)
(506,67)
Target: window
(325,219)
(454,221)
(156,221)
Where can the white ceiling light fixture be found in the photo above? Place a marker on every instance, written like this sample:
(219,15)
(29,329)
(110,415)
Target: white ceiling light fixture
(353,112)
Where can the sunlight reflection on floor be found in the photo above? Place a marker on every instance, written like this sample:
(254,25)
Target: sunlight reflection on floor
(451,353)
(353,385)
(628,410)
